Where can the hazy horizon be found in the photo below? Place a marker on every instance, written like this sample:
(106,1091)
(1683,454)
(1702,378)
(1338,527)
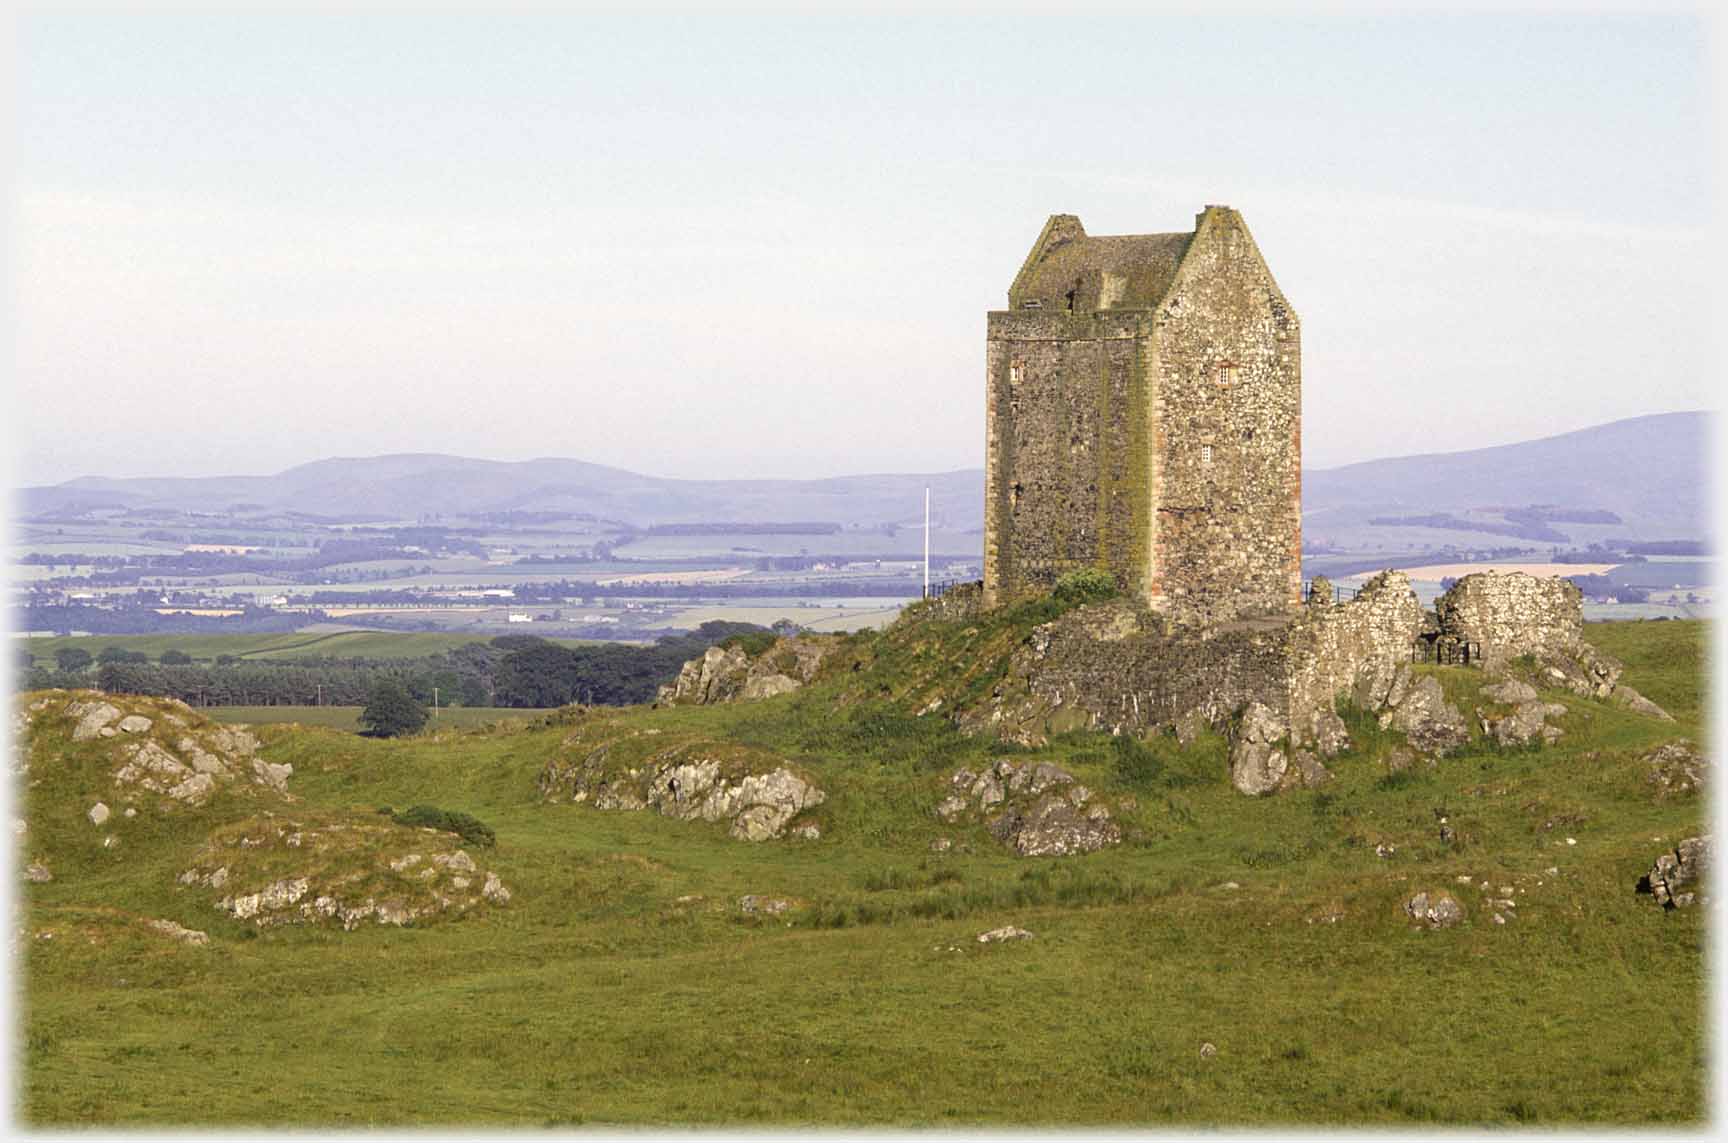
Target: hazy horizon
(1307,465)
(763,246)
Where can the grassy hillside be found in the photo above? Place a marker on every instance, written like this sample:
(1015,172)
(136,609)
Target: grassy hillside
(623,984)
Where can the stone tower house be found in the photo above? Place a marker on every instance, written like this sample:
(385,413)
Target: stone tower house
(1144,416)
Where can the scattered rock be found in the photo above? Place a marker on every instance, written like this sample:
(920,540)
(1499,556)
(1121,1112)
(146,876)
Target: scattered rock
(1005,933)
(807,831)
(38,872)
(134,724)
(1624,696)
(1678,876)
(178,932)
(757,905)
(494,891)
(942,844)
(98,813)
(1438,910)
(1208,1050)
(1676,768)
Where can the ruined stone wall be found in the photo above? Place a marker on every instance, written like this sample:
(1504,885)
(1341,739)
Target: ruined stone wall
(1226,416)
(1116,666)
(1512,614)
(1065,427)
(1351,648)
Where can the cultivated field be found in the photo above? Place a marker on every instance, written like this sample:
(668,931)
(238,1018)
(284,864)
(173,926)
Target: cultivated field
(289,645)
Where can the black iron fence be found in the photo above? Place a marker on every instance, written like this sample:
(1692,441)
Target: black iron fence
(1445,651)
(1339,592)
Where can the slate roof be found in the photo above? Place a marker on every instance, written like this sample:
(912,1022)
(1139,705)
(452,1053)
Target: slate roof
(1148,261)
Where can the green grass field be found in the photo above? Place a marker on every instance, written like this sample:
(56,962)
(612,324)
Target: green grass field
(622,986)
(288,645)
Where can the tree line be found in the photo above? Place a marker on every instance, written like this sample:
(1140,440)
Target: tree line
(509,671)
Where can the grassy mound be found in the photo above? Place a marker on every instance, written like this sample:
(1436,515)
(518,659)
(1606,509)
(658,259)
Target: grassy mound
(627,981)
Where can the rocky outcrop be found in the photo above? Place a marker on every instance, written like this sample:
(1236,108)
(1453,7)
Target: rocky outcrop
(1517,717)
(1624,696)
(1676,769)
(340,871)
(1677,878)
(1257,765)
(1418,709)
(152,746)
(730,674)
(1037,809)
(756,794)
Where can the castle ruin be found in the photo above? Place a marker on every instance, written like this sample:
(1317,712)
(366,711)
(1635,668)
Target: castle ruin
(1144,417)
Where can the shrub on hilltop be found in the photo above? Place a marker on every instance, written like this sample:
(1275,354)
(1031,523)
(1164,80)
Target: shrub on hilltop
(1085,585)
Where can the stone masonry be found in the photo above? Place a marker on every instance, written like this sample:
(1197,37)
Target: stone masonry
(1143,415)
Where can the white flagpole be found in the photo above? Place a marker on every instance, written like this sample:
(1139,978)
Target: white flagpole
(926,541)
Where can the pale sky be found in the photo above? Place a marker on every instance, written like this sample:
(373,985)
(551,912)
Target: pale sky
(750,246)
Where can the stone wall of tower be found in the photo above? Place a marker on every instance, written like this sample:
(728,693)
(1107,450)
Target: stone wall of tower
(1065,483)
(1226,434)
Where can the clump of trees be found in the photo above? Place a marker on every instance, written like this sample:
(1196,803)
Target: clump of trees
(391,711)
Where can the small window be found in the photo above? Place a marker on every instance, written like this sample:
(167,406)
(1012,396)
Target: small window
(1032,304)
(1205,454)
(1016,371)
(1070,295)
(1226,374)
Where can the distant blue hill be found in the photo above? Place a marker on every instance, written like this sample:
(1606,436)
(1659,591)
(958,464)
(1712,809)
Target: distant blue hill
(1649,471)
(1652,472)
